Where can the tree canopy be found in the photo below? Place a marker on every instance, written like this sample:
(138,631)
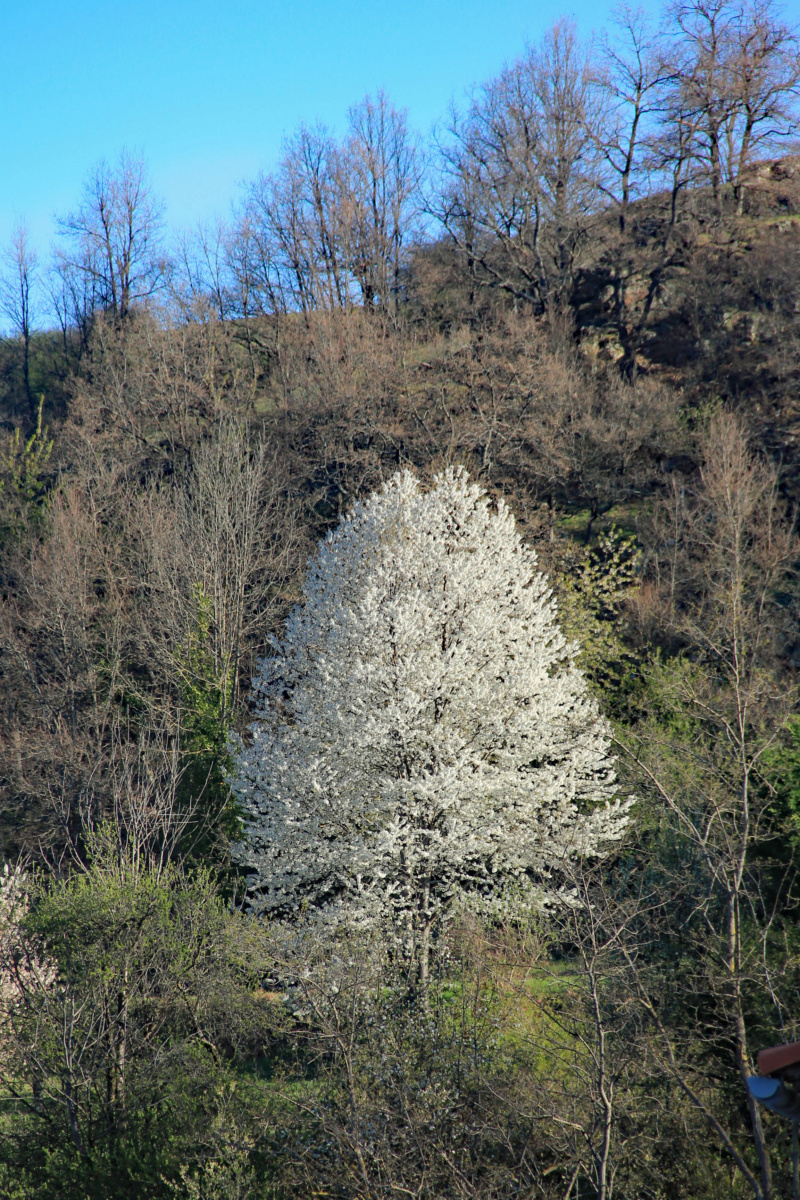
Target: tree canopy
(421,729)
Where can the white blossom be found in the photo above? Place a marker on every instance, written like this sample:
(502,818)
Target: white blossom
(421,731)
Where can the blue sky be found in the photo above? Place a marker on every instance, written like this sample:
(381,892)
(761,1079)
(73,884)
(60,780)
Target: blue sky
(206,90)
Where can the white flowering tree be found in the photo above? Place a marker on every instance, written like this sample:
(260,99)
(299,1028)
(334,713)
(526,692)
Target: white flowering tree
(421,731)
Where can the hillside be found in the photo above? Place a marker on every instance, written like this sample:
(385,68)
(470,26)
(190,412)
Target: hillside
(156,518)
(723,323)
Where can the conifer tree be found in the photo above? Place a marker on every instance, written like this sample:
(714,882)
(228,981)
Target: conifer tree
(421,731)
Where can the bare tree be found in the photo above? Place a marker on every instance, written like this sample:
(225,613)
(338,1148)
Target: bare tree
(634,71)
(113,240)
(103,630)
(18,289)
(383,161)
(737,70)
(328,228)
(704,30)
(229,531)
(523,170)
(201,284)
(311,219)
(649,139)
(63,646)
(764,79)
(716,715)
(75,297)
